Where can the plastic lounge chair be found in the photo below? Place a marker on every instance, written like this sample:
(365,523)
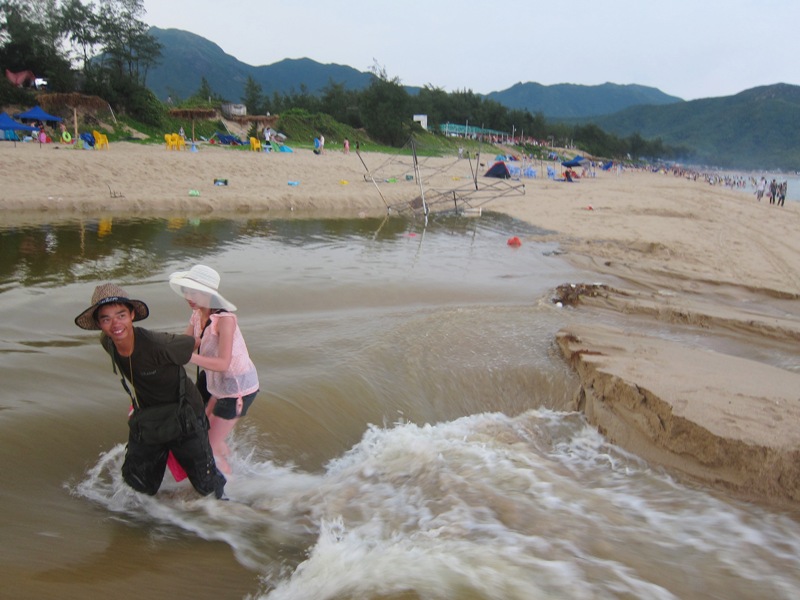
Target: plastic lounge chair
(100,140)
(255,144)
(178,141)
(169,141)
(551,173)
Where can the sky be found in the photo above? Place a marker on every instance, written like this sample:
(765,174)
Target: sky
(686,48)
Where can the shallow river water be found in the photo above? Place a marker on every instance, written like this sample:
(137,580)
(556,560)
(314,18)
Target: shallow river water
(406,443)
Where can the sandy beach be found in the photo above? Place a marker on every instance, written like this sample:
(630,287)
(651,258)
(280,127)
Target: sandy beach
(666,249)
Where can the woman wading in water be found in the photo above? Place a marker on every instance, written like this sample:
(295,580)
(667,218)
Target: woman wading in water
(229,381)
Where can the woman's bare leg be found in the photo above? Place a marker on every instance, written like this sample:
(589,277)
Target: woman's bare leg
(218,432)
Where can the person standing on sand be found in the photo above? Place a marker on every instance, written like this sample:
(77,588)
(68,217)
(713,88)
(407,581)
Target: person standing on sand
(773,191)
(762,187)
(229,380)
(152,363)
(321,144)
(346,146)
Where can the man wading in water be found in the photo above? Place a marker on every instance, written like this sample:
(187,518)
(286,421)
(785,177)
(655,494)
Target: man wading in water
(168,411)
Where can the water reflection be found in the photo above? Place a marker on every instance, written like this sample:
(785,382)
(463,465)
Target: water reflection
(130,248)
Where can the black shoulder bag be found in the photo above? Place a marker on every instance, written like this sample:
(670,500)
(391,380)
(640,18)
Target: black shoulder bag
(161,423)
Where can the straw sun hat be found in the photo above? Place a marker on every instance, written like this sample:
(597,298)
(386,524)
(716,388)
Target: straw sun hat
(109,293)
(202,279)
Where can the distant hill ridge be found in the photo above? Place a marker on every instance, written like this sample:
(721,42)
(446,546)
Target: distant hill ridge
(568,100)
(754,129)
(187,57)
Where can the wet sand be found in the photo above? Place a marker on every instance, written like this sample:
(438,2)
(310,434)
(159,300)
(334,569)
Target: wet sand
(668,250)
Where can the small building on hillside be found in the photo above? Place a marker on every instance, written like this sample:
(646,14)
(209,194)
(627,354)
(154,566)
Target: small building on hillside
(233,110)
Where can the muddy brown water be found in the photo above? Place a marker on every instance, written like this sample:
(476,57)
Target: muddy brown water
(407,441)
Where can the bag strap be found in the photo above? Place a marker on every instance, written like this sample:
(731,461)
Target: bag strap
(208,322)
(123,382)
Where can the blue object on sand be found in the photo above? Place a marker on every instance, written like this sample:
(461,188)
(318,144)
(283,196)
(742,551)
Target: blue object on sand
(294,183)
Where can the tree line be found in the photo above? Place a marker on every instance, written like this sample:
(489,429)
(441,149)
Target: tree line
(385,107)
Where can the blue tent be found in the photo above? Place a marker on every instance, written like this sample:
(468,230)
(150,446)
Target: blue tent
(575,162)
(37,114)
(9,124)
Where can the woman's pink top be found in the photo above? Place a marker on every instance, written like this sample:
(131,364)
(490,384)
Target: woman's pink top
(241,377)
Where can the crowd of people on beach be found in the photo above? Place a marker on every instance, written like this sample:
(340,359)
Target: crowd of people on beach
(774,190)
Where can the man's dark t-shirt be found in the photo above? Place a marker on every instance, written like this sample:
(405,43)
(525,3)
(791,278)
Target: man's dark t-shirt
(157,361)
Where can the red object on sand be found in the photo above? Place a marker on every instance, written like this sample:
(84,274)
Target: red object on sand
(514,241)
(175,468)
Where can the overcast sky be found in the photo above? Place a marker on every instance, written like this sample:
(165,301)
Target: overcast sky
(686,48)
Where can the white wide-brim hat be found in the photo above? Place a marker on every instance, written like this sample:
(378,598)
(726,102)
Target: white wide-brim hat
(202,279)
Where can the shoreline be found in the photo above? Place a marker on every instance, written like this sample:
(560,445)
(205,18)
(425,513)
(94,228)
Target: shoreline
(677,251)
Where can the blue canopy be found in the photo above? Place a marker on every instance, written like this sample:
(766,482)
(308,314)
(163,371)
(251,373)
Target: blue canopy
(575,162)
(7,123)
(37,114)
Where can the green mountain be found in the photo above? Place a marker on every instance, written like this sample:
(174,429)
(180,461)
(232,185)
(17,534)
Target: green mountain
(567,100)
(187,57)
(754,129)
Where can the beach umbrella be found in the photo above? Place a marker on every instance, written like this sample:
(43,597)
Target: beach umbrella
(262,120)
(74,102)
(9,124)
(193,113)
